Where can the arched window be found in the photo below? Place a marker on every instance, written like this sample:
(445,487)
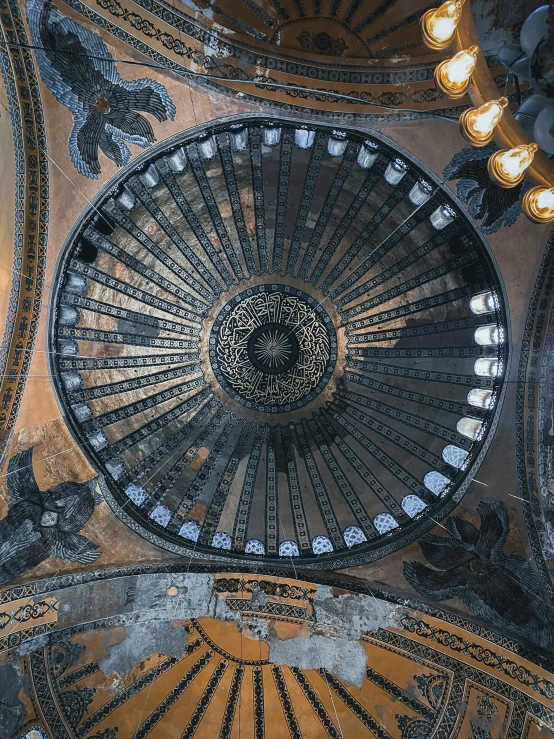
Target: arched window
(160,514)
(177,160)
(337,143)
(367,155)
(469,427)
(136,494)
(482,303)
(384,522)
(239,137)
(322,545)
(420,192)
(207,147)
(454,456)
(490,335)
(395,171)
(441,217)
(221,540)
(35,732)
(254,546)
(413,505)
(190,530)
(353,535)
(272,135)
(480,398)
(304,138)
(288,549)
(487,367)
(435,482)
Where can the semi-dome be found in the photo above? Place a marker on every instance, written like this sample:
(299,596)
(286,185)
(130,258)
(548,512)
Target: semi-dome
(279,341)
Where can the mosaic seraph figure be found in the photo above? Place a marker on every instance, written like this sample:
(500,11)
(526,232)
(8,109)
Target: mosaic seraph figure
(43,523)
(494,206)
(471,564)
(79,71)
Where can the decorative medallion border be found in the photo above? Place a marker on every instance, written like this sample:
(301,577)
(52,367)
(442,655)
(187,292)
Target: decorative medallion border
(31,216)
(527,409)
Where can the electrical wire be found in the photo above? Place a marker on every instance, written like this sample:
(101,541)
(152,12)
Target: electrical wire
(256,83)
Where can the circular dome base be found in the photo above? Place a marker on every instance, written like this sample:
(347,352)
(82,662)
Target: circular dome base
(270,353)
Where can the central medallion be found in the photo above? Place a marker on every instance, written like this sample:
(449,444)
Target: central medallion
(273,348)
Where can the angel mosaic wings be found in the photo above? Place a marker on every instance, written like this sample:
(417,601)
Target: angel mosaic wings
(80,72)
(44,523)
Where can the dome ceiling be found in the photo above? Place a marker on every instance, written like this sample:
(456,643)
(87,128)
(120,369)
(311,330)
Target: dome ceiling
(335,28)
(234,655)
(278,342)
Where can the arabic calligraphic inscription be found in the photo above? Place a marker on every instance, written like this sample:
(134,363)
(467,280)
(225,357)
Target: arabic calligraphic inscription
(273,348)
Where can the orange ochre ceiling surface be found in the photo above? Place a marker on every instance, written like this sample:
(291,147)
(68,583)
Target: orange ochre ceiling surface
(370,29)
(423,678)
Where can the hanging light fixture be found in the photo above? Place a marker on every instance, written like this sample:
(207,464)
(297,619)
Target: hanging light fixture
(507,166)
(439,26)
(538,204)
(477,124)
(452,76)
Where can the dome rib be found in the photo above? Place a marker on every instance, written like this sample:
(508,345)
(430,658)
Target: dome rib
(261,338)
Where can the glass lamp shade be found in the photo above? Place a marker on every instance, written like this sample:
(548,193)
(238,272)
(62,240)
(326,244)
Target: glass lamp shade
(439,26)
(538,204)
(507,166)
(453,75)
(477,124)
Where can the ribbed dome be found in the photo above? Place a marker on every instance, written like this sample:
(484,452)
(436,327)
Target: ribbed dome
(278,341)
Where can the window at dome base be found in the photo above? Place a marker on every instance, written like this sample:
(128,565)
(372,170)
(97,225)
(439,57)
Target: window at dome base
(384,522)
(254,546)
(288,549)
(322,545)
(413,505)
(436,482)
(470,427)
(480,398)
(489,335)
(483,303)
(485,367)
(353,535)
(455,456)
(190,530)
(221,540)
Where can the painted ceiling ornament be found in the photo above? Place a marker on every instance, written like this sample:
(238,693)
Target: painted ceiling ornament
(79,71)
(470,564)
(43,523)
(491,204)
(322,43)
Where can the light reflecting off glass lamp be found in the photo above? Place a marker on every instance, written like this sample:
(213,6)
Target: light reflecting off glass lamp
(478,124)
(538,204)
(439,26)
(452,76)
(507,166)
